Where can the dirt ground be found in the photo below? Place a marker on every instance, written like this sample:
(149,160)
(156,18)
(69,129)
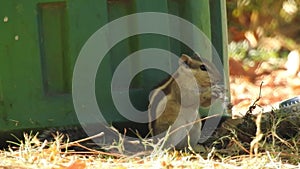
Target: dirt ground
(278,84)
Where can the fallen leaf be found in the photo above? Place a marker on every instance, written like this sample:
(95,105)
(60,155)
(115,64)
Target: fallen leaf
(78,164)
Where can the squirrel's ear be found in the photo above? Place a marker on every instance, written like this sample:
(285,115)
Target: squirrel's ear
(196,56)
(184,59)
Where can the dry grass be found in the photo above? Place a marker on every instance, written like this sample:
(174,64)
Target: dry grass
(31,153)
(34,154)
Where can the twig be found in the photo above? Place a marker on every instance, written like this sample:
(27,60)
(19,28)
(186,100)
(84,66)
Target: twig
(77,144)
(192,123)
(282,140)
(258,136)
(240,145)
(253,106)
(96,152)
(82,140)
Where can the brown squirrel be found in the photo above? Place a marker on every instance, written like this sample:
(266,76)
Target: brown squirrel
(173,104)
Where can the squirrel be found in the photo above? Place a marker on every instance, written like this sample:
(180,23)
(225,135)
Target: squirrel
(167,99)
(172,105)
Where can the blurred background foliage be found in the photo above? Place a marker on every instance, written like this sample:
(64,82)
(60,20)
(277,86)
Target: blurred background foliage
(263,29)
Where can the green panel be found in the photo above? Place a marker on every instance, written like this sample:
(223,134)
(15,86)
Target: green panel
(24,104)
(84,18)
(219,27)
(150,78)
(52,23)
(198,13)
(115,9)
(151,6)
(219,35)
(1,93)
(41,39)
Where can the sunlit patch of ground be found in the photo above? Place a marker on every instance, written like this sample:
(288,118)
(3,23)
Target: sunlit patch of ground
(278,85)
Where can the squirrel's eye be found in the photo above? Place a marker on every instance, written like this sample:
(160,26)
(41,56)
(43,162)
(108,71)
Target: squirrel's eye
(203,67)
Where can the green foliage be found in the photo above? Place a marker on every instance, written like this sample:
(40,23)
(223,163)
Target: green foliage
(238,50)
(261,54)
(268,14)
(242,51)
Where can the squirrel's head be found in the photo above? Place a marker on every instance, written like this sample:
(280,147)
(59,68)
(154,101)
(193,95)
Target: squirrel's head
(204,72)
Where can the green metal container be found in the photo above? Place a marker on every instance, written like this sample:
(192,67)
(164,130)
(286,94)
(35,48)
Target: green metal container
(41,39)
